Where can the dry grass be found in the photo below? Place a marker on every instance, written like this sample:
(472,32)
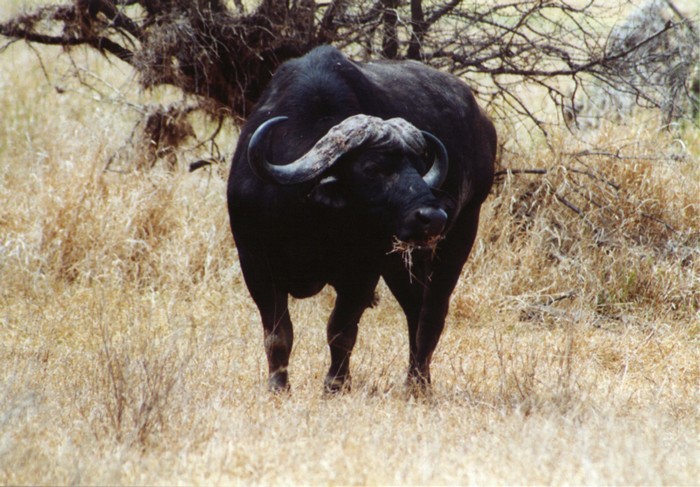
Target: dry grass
(132,354)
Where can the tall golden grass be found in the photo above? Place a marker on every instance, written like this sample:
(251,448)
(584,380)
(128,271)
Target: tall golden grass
(132,354)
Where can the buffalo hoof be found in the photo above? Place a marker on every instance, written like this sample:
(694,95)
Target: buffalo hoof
(417,389)
(418,381)
(335,384)
(278,382)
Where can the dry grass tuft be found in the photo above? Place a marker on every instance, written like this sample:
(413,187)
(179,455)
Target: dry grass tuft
(132,354)
(406,250)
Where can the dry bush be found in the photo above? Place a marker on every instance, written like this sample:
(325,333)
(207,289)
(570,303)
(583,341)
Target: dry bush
(608,227)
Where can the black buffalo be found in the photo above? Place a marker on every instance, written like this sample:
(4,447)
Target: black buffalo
(339,165)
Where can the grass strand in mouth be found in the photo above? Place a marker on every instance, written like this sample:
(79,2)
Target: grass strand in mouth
(406,250)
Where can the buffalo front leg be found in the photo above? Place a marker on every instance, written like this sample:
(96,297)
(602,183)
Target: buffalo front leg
(342,331)
(408,289)
(448,262)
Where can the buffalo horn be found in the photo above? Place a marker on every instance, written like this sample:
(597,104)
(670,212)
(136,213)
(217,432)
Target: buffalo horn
(260,166)
(438,172)
(349,134)
(322,155)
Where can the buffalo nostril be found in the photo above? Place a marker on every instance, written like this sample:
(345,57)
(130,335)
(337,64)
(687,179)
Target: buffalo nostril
(432,219)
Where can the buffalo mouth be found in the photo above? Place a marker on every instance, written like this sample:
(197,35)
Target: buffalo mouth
(428,242)
(421,230)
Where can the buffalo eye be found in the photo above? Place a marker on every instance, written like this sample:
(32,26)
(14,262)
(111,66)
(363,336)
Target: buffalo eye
(371,170)
(376,167)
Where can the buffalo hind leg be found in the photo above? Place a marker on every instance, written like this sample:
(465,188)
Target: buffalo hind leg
(271,300)
(449,260)
(279,337)
(341,333)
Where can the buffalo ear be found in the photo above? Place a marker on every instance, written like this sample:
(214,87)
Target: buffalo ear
(329,192)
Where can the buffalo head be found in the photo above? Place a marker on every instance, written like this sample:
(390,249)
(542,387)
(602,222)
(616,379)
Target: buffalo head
(373,166)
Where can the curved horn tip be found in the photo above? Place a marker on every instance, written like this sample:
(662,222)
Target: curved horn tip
(261,132)
(256,160)
(438,171)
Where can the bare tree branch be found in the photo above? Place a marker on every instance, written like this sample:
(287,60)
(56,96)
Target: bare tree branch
(419,28)
(390,42)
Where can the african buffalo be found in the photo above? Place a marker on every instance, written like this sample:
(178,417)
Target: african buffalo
(339,163)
